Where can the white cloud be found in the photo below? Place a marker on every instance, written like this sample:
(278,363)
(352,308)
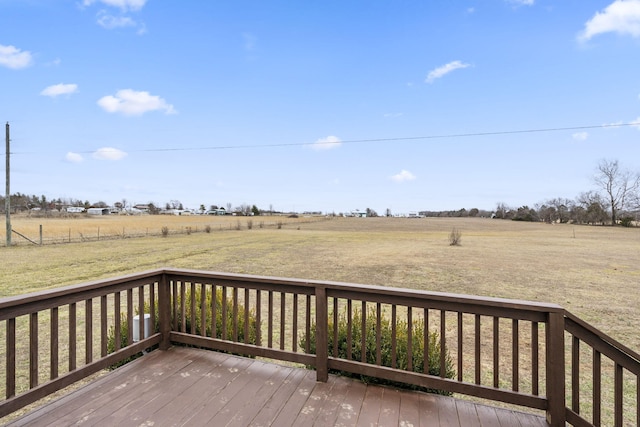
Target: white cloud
(326,143)
(444,70)
(403,176)
(621,16)
(580,136)
(109,153)
(121,4)
(134,103)
(12,57)
(110,22)
(59,89)
(637,126)
(522,2)
(73,157)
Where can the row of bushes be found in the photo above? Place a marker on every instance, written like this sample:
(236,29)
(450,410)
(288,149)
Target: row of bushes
(386,345)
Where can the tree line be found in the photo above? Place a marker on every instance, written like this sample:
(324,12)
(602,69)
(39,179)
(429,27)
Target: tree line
(615,200)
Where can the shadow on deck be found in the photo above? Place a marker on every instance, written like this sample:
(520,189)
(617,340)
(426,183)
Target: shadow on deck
(186,386)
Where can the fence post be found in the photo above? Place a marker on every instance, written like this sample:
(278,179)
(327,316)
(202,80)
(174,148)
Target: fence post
(555,370)
(164,311)
(322,370)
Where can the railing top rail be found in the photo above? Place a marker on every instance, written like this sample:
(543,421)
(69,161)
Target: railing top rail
(77,292)
(602,336)
(373,289)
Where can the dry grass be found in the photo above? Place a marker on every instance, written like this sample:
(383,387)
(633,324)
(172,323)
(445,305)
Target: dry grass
(591,271)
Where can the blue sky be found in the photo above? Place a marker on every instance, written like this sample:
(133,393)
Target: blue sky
(327,106)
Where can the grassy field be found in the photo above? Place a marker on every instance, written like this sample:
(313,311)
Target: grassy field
(591,271)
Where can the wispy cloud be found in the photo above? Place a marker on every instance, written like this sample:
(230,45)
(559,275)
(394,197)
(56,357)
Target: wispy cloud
(109,153)
(522,2)
(123,5)
(621,17)
(403,176)
(12,57)
(110,21)
(59,89)
(327,143)
(444,70)
(134,103)
(72,157)
(580,136)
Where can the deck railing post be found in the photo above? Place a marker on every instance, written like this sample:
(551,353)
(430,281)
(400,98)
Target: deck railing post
(322,351)
(164,311)
(555,369)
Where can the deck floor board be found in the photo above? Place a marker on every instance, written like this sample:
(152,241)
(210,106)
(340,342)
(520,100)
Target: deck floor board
(186,386)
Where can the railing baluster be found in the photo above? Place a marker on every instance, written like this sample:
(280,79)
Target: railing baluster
(10,358)
(283,317)
(129,316)
(152,306)
(141,312)
(575,374)
(203,310)
(363,332)
(443,344)
(308,325)
(270,320)
(294,328)
(460,353)
(104,338)
(425,338)
(214,309)
(335,327)
(72,336)
(234,313)
(378,333)
(617,395)
(88,322)
(223,334)
(535,362)
(349,330)
(515,355)
(117,321)
(54,340)
(33,350)
(246,315)
(478,364)
(183,307)
(496,352)
(259,319)
(192,308)
(409,339)
(597,388)
(394,347)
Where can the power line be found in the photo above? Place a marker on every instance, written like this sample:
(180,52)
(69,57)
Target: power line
(371,140)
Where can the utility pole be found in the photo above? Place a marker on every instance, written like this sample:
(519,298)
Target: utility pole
(7,200)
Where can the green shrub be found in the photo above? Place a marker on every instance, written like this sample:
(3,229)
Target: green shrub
(626,221)
(228,335)
(385,348)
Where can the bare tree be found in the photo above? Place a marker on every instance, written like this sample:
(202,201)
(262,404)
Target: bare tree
(621,186)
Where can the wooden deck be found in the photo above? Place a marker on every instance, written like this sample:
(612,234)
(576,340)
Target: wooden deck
(186,386)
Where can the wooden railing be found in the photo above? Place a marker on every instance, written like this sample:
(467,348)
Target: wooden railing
(510,351)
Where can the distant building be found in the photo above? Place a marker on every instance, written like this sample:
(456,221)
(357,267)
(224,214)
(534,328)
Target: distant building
(98,211)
